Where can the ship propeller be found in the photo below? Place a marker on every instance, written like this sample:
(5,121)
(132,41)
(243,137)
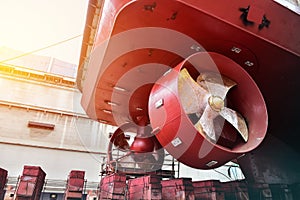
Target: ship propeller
(206,98)
(142,154)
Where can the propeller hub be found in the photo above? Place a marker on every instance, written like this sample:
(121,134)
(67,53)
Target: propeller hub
(216,103)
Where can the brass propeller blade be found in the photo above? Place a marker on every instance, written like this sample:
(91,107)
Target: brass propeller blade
(205,125)
(207,98)
(216,84)
(192,96)
(237,121)
(121,142)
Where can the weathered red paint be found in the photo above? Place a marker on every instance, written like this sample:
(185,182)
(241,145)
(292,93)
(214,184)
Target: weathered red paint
(112,187)
(3,177)
(270,55)
(75,185)
(31,183)
(195,149)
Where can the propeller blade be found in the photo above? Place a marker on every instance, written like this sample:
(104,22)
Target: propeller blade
(192,96)
(205,125)
(216,84)
(206,97)
(237,121)
(121,143)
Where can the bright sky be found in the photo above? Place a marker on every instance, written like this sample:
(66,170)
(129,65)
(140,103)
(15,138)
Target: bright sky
(28,25)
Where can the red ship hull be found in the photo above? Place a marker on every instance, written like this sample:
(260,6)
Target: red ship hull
(138,41)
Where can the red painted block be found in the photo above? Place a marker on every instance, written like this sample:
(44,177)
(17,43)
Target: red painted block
(31,183)
(112,187)
(75,184)
(145,187)
(152,191)
(208,183)
(3,177)
(146,195)
(106,195)
(208,190)
(73,195)
(179,181)
(181,188)
(2,193)
(27,186)
(210,196)
(181,194)
(144,180)
(33,171)
(113,178)
(77,174)
(135,188)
